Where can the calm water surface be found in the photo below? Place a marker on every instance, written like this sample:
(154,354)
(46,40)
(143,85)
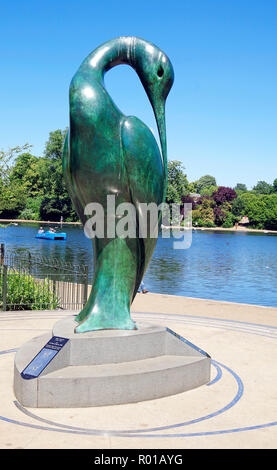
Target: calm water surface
(236,267)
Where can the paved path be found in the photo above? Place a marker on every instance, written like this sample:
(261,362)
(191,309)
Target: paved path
(237,409)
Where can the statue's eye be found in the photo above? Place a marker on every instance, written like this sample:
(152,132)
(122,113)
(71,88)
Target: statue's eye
(160,71)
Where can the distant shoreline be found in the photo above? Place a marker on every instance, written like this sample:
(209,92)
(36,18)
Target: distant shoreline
(212,229)
(232,229)
(41,222)
(222,229)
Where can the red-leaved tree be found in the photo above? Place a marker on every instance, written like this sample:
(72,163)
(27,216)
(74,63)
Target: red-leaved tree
(224,194)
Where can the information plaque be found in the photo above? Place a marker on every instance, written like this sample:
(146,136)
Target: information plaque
(44,357)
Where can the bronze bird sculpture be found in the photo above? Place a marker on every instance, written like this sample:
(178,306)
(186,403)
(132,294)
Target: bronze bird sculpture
(107,153)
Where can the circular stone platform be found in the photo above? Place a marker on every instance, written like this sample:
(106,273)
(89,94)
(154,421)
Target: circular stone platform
(236,409)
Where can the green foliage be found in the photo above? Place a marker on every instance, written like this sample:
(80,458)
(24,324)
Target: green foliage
(270,202)
(205,182)
(172,195)
(240,187)
(33,188)
(12,198)
(203,215)
(230,220)
(260,209)
(26,293)
(208,191)
(56,201)
(238,206)
(27,214)
(262,187)
(54,145)
(177,182)
(32,209)
(192,187)
(52,208)
(198,222)
(249,204)
(30,173)
(12,201)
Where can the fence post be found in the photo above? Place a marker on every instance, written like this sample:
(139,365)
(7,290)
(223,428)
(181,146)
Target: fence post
(30,262)
(54,282)
(2,253)
(4,288)
(85,287)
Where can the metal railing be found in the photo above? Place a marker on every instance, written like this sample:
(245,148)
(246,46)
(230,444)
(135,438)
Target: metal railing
(29,282)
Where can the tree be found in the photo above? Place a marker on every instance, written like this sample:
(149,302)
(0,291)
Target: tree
(221,213)
(238,205)
(51,208)
(172,195)
(230,220)
(33,187)
(54,144)
(224,194)
(177,182)
(223,198)
(271,211)
(275,185)
(203,215)
(12,201)
(12,197)
(262,187)
(208,191)
(205,182)
(30,172)
(32,207)
(240,187)
(260,209)
(192,187)
(56,202)
(189,200)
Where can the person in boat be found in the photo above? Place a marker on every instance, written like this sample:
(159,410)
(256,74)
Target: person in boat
(40,230)
(52,230)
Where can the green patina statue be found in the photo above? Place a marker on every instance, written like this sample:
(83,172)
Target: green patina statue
(107,153)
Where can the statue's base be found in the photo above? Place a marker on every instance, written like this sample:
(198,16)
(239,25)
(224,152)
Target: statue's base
(107,367)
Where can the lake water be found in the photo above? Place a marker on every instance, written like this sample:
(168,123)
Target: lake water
(230,266)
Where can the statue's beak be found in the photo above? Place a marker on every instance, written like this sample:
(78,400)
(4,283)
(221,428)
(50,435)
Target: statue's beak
(159,112)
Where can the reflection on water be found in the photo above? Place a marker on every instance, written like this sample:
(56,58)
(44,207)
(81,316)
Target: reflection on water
(236,267)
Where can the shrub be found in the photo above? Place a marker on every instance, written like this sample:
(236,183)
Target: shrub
(27,214)
(229,221)
(203,216)
(27,293)
(32,209)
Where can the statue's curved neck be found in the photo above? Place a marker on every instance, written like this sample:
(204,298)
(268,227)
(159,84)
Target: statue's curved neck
(112,53)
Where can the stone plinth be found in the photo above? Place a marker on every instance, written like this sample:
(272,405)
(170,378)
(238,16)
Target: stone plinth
(110,367)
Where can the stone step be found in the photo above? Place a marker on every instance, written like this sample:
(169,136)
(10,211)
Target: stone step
(126,382)
(111,346)
(106,367)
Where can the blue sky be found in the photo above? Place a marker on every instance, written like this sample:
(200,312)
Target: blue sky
(222,110)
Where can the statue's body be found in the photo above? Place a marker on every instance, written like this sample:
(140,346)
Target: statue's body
(107,153)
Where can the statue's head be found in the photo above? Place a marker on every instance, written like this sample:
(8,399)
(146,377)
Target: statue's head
(156,74)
